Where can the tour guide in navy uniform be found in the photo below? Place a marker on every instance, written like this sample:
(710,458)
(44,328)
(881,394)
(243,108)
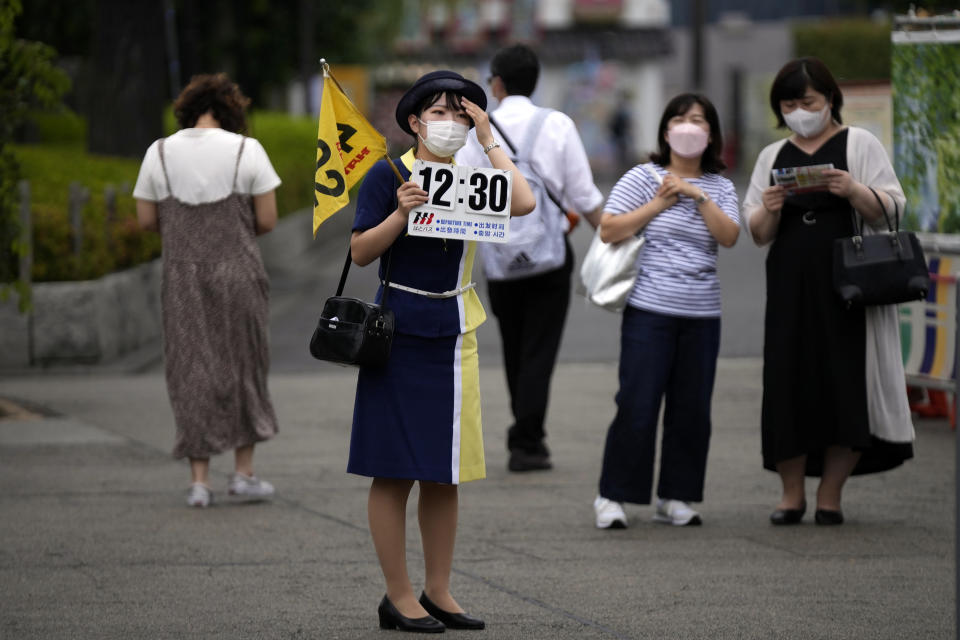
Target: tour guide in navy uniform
(529,276)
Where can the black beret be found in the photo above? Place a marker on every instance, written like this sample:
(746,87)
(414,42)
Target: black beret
(436,82)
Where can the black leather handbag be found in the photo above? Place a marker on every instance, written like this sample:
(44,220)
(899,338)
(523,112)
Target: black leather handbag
(351,331)
(886,268)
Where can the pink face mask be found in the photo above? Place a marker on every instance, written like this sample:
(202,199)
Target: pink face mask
(687,140)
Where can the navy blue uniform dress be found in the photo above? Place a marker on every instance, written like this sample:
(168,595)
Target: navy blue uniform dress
(419,417)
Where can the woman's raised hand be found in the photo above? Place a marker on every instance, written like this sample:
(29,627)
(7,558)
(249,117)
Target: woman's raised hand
(409,196)
(480,120)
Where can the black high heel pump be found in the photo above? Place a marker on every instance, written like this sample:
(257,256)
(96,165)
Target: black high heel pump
(452,620)
(390,618)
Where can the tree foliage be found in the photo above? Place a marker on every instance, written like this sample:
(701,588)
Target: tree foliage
(927,131)
(124,84)
(855,49)
(263,44)
(28,80)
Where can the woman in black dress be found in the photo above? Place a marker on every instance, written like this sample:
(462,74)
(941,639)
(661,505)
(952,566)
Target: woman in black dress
(834,398)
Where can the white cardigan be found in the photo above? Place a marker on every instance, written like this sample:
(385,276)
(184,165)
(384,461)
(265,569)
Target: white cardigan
(867,161)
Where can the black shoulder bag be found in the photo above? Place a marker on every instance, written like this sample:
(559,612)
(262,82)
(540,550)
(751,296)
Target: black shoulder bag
(351,331)
(885,268)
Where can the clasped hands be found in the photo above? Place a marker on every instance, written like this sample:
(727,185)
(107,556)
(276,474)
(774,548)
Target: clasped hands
(673,187)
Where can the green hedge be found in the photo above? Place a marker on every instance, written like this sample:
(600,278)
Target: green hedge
(51,167)
(851,49)
(107,247)
(291,144)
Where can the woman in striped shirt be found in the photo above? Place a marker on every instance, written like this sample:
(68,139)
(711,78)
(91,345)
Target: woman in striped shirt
(670,333)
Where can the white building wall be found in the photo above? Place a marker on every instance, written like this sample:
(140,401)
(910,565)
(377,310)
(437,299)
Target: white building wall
(647,89)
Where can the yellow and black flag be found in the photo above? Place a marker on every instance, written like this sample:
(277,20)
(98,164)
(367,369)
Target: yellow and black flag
(347,146)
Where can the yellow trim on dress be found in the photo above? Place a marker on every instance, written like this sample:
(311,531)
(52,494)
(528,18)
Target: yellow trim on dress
(472,463)
(473,312)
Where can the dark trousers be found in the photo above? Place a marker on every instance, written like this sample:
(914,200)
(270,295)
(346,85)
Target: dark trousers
(531,313)
(675,359)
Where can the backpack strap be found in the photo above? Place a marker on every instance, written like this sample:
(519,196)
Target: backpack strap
(529,139)
(533,130)
(503,135)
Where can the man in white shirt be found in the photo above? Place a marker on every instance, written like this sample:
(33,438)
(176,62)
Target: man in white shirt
(529,276)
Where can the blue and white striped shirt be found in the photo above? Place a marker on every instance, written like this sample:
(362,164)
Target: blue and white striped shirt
(678,263)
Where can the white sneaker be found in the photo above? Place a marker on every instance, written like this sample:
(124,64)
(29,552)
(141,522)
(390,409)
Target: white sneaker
(610,514)
(676,512)
(249,487)
(199,495)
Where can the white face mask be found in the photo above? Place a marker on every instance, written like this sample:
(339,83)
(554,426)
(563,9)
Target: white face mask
(687,140)
(444,137)
(807,124)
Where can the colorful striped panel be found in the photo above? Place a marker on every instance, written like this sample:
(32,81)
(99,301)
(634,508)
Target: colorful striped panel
(927,327)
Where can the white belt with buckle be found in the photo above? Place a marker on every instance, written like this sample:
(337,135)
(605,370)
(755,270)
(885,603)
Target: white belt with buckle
(431,294)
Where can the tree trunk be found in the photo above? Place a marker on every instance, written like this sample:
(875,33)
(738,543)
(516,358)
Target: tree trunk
(127,80)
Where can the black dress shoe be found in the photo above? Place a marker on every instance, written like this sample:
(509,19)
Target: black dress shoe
(828,517)
(523,461)
(390,618)
(452,620)
(788,516)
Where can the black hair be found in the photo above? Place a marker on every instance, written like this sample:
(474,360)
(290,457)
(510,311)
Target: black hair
(517,66)
(793,79)
(452,101)
(710,161)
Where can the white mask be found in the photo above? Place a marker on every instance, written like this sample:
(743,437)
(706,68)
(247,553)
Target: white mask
(807,124)
(687,140)
(444,137)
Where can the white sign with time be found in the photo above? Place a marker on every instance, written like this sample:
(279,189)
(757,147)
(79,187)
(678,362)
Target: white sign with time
(463,203)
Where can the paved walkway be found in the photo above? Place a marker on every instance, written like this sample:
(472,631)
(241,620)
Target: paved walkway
(96,542)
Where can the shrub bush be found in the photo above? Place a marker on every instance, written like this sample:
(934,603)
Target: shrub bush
(60,158)
(108,245)
(63,128)
(855,49)
(291,144)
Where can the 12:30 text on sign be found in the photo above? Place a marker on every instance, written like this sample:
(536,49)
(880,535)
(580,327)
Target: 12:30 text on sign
(465,203)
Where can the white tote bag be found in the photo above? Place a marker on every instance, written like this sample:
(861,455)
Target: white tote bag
(609,270)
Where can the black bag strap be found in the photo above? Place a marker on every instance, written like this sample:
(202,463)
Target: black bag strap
(895,227)
(513,150)
(386,275)
(346,270)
